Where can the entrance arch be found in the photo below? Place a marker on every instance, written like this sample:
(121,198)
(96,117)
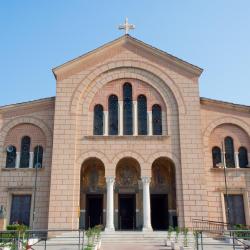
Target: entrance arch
(128,175)
(92,193)
(163,194)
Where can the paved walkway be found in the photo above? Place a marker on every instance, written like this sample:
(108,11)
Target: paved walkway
(107,246)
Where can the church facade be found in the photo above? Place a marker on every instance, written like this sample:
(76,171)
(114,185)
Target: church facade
(127,142)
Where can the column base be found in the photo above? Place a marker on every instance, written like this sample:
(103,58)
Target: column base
(107,229)
(147,229)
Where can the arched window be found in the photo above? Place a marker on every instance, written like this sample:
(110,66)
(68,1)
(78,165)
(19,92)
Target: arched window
(229,152)
(157,119)
(127,109)
(216,154)
(243,158)
(142,115)
(98,120)
(38,157)
(11,157)
(113,115)
(25,152)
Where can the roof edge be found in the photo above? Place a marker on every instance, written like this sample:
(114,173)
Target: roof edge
(28,103)
(223,104)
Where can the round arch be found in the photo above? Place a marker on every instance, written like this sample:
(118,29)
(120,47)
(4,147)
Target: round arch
(224,120)
(31,120)
(156,75)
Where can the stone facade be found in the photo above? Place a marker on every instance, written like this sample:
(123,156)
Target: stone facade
(63,125)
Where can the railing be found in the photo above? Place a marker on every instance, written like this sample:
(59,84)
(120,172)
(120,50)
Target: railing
(236,239)
(210,226)
(42,239)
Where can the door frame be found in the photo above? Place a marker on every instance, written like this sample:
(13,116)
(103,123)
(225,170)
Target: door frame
(133,195)
(87,207)
(245,195)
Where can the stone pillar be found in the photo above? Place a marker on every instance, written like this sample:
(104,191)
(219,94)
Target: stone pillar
(236,159)
(17,159)
(135,118)
(110,180)
(150,124)
(31,159)
(146,204)
(106,122)
(224,159)
(120,117)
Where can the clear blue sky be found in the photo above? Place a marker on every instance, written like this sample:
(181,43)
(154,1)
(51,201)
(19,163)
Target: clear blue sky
(36,36)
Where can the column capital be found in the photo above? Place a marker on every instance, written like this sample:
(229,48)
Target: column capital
(110,179)
(146,179)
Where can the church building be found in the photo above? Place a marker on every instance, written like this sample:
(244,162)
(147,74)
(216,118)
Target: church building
(127,142)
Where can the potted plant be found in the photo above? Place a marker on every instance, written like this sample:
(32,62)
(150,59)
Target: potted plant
(185,236)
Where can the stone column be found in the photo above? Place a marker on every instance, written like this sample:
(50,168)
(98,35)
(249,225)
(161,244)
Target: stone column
(146,204)
(110,180)
(106,122)
(17,159)
(120,117)
(236,159)
(135,118)
(31,159)
(224,159)
(150,125)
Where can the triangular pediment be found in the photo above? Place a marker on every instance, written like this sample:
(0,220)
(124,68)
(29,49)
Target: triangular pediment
(109,49)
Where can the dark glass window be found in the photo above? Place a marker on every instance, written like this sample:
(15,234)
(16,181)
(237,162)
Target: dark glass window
(20,209)
(98,120)
(127,109)
(38,157)
(11,157)
(216,153)
(157,119)
(142,115)
(113,115)
(243,158)
(229,152)
(25,152)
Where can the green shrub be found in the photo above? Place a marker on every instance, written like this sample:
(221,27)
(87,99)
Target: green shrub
(170,231)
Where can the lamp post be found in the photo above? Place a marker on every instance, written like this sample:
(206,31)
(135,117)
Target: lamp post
(225,181)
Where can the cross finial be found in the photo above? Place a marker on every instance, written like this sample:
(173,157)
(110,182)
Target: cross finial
(126,26)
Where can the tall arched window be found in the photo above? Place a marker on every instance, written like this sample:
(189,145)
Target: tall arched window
(113,115)
(216,154)
(25,152)
(127,109)
(98,120)
(142,115)
(38,157)
(229,152)
(157,119)
(11,157)
(243,157)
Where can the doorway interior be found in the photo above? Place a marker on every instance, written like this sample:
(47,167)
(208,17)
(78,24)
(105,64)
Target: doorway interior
(94,210)
(127,211)
(159,211)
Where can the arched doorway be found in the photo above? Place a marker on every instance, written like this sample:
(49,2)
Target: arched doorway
(163,194)
(92,193)
(127,194)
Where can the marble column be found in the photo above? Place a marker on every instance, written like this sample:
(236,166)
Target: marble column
(150,124)
(120,117)
(146,204)
(17,159)
(106,122)
(31,159)
(110,180)
(135,118)
(236,159)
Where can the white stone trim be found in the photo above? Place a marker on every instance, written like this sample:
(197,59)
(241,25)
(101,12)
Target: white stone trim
(135,118)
